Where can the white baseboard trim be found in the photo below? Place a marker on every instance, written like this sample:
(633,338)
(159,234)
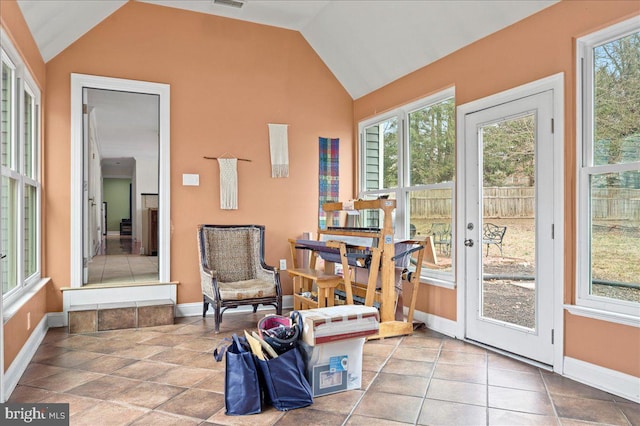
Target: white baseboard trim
(614,382)
(436,323)
(22,360)
(195,309)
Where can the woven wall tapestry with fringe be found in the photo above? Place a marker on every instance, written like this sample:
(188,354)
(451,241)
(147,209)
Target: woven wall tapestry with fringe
(228,183)
(329,178)
(279,147)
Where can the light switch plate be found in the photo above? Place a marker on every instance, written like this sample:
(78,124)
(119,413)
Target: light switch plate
(190,180)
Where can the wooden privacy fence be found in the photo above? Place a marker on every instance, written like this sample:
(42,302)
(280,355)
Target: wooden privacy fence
(519,202)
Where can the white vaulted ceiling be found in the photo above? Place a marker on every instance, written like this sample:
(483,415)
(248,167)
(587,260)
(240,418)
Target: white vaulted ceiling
(366,44)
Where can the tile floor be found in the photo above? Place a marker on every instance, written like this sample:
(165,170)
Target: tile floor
(166,375)
(119,260)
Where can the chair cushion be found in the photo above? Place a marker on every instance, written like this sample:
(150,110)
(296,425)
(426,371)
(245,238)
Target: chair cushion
(249,289)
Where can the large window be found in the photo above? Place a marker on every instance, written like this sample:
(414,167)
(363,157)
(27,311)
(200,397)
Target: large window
(609,170)
(20,189)
(408,155)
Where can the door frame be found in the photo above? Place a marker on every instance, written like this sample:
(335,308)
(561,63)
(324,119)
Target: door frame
(556,84)
(78,82)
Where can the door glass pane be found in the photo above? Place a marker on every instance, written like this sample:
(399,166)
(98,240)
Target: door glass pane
(615,235)
(381,155)
(508,221)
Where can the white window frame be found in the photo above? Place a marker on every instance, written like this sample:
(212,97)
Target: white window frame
(594,306)
(24,82)
(402,190)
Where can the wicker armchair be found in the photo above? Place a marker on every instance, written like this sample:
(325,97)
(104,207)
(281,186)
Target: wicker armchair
(232,269)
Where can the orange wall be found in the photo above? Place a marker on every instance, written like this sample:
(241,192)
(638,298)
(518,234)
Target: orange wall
(15,329)
(228,80)
(536,47)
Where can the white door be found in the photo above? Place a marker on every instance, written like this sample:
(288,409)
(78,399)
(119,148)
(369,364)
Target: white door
(509,271)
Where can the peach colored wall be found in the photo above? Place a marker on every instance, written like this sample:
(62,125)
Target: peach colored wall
(228,80)
(536,47)
(596,342)
(15,329)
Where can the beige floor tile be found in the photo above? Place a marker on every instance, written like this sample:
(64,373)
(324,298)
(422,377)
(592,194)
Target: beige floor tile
(463,392)
(504,363)
(29,394)
(66,380)
(400,384)
(310,416)
(510,418)
(520,400)
(106,387)
(447,413)
(415,354)
(105,364)
(399,408)
(148,395)
(401,366)
(163,419)
(71,359)
(76,403)
(631,410)
(37,371)
(142,370)
(449,344)
(268,416)
(558,385)
(107,414)
(194,403)
(183,376)
(461,373)
(341,402)
(357,420)
(462,358)
(591,410)
(516,380)
(117,377)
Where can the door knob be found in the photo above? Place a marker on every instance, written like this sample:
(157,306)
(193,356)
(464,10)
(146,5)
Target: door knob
(468,242)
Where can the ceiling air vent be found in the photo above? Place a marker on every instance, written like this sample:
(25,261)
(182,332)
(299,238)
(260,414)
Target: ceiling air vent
(232,3)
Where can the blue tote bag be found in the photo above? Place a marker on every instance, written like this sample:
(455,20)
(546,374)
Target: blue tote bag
(284,383)
(242,394)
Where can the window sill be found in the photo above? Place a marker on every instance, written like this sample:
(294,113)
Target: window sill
(608,316)
(10,309)
(438,283)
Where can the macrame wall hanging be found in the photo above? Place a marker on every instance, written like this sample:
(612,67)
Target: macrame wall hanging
(279,147)
(228,181)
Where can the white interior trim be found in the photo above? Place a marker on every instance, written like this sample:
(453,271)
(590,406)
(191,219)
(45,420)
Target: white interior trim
(556,83)
(78,82)
(437,323)
(611,381)
(603,315)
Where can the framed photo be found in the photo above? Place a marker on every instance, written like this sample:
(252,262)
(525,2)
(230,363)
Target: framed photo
(326,380)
